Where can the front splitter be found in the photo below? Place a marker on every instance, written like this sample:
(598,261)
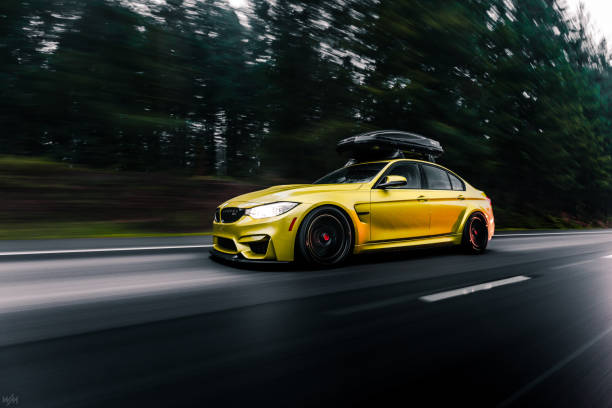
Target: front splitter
(239,258)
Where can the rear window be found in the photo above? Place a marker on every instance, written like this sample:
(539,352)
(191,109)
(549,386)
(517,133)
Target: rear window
(437,179)
(456,184)
(359,173)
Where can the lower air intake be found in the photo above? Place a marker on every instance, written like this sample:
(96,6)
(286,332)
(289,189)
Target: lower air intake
(260,247)
(226,244)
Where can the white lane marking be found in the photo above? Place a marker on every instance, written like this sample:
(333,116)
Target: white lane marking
(471,289)
(542,234)
(154,248)
(93,250)
(608,257)
(546,374)
(572,264)
(428,298)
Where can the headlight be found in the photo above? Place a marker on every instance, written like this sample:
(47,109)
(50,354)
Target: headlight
(270,210)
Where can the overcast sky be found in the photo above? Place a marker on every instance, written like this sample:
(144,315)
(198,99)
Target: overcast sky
(601,16)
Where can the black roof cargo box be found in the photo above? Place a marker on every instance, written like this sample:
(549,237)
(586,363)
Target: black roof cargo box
(389,144)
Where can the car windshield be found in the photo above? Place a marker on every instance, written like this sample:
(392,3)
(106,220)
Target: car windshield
(360,173)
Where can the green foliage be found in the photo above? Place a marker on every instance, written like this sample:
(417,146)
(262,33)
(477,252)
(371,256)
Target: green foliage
(516,90)
(41,198)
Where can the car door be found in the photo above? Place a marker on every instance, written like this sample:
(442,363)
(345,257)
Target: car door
(399,212)
(445,199)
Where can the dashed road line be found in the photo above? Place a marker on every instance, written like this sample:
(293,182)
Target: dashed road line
(436,297)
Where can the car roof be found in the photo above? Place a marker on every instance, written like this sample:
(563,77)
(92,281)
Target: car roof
(410,160)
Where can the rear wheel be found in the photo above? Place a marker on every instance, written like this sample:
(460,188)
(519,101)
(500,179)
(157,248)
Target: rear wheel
(475,234)
(325,237)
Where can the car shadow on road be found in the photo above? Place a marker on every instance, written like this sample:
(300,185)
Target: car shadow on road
(404,254)
(382,257)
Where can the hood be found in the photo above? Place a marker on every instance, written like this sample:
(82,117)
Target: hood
(291,192)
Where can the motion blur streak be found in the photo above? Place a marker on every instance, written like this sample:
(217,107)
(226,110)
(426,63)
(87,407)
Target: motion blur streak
(542,234)
(175,323)
(81,251)
(517,92)
(43,293)
(555,368)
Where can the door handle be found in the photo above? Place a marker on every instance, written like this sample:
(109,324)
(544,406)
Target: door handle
(461,197)
(421,198)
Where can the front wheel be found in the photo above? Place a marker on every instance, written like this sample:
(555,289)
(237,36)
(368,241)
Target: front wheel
(475,235)
(325,237)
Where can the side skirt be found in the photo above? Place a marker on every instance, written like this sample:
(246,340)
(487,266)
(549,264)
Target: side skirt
(444,239)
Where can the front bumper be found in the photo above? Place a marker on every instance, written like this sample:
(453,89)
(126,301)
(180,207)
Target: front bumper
(251,240)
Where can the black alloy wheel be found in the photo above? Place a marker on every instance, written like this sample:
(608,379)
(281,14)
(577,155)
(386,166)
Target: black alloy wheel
(325,237)
(475,234)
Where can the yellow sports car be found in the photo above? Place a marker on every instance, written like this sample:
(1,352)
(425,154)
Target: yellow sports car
(365,206)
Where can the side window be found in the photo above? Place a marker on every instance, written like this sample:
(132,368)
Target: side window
(456,183)
(437,179)
(408,170)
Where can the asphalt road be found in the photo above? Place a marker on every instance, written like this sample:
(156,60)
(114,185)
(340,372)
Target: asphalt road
(155,322)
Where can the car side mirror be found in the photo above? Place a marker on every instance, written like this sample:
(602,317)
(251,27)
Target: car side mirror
(393,181)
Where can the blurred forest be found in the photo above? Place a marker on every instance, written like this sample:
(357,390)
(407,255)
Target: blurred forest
(517,91)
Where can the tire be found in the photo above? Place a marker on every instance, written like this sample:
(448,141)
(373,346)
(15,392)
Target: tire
(475,234)
(325,237)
